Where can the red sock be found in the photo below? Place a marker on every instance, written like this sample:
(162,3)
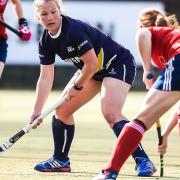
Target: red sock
(127,142)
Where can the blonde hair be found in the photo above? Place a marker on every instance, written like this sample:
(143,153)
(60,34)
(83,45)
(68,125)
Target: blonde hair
(37,3)
(153,17)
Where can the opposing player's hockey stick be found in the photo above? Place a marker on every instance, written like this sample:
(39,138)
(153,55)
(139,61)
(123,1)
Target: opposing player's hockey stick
(158,127)
(26,129)
(2,23)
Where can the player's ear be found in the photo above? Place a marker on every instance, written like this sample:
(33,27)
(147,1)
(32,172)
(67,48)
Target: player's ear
(38,19)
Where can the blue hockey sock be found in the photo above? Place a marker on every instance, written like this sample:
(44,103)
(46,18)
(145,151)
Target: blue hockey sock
(63,135)
(139,152)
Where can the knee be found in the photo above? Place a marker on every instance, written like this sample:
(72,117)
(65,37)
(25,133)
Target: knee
(62,115)
(111,117)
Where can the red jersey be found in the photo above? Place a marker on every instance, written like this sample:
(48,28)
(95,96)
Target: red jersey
(3,4)
(165,45)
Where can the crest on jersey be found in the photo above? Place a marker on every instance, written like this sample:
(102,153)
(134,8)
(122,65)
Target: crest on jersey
(70,49)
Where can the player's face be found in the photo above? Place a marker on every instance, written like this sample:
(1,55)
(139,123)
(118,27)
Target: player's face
(49,16)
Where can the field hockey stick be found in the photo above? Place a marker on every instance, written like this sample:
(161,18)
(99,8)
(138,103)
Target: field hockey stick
(2,23)
(158,127)
(28,127)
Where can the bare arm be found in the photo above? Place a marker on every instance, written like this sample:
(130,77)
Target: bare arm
(143,43)
(18,8)
(169,127)
(43,88)
(89,68)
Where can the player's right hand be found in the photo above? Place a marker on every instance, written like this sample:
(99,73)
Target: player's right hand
(162,148)
(179,124)
(148,79)
(33,117)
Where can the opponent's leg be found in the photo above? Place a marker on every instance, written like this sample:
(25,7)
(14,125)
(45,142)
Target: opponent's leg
(114,93)
(132,132)
(1,68)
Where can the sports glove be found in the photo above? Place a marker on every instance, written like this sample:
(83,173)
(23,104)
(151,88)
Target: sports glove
(24,29)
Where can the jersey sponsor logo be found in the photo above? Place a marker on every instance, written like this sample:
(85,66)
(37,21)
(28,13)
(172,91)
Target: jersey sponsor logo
(3,2)
(75,60)
(41,55)
(82,44)
(70,49)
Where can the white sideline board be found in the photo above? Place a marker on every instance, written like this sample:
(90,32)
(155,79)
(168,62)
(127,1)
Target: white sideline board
(118,19)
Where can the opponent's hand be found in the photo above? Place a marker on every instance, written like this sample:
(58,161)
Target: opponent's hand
(33,117)
(148,79)
(179,124)
(24,30)
(162,148)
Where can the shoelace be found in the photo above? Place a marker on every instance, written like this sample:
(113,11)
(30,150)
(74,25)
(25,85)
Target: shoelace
(145,163)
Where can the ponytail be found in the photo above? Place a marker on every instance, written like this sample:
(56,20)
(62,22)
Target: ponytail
(161,21)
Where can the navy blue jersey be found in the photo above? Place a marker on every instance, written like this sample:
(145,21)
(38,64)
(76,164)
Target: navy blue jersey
(75,39)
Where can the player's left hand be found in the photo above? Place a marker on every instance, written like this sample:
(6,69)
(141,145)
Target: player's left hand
(24,30)
(72,92)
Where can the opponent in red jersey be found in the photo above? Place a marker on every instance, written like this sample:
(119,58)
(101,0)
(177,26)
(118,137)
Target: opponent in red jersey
(23,27)
(158,38)
(165,45)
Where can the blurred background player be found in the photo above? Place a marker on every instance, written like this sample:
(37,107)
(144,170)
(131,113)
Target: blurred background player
(173,122)
(23,28)
(104,65)
(158,39)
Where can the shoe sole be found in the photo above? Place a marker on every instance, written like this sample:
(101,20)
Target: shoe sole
(147,175)
(55,170)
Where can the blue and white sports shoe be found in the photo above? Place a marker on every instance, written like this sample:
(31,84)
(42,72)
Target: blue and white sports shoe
(106,176)
(53,165)
(144,167)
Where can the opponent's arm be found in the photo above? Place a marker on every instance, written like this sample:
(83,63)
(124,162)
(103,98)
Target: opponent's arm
(23,24)
(169,127)
(18,8)
(143,42)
